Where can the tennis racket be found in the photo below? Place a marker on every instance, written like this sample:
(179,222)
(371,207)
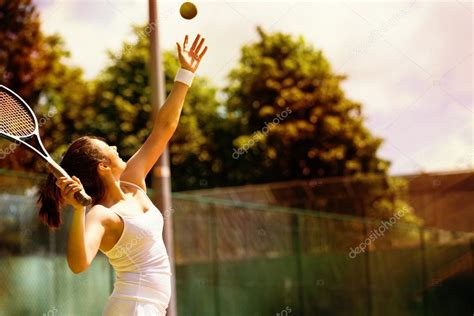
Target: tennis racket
(18,124)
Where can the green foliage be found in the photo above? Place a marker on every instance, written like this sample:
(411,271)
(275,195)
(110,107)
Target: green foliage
(285,115)
(21,47)
(122,111)
(33,65)
(322,135)
(293,121)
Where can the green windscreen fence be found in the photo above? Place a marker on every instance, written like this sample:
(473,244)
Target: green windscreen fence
(34,276)
(235,258)
(244,259)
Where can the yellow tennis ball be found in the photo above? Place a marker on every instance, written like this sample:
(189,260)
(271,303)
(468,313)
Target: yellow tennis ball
(188,10)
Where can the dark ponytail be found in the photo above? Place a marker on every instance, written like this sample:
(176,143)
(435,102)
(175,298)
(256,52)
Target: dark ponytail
(80,160)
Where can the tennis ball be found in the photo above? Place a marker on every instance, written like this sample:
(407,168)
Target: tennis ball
(188,10)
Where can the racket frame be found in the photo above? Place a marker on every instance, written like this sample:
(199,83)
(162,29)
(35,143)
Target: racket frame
(53,167)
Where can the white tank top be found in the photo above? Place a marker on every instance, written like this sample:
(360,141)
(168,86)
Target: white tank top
(140,259)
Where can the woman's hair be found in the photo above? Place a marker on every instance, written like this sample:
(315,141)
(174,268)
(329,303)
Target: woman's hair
(80,160)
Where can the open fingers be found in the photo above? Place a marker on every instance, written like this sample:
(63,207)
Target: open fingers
(179,49)
(185,42)
(198,58)
(196,41)
(202,54)
(198,48)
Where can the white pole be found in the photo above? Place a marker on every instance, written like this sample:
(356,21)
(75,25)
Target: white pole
(161,172)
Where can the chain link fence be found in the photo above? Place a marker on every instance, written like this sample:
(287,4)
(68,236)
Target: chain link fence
(238,258)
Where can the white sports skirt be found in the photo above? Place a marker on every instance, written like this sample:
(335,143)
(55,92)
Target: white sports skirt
(137,299)
(125,307)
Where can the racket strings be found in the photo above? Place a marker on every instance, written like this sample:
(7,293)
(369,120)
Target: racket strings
(15,119)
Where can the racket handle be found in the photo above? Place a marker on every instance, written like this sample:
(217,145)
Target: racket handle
(80,196)
(83,198)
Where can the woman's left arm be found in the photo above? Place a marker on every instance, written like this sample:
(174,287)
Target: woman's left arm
(166,120)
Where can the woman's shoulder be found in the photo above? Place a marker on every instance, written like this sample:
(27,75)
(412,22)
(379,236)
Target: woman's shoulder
(101,213)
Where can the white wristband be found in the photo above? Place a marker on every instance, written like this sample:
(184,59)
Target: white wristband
(184,76)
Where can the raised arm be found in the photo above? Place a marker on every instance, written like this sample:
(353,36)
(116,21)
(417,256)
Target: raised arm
(167,119)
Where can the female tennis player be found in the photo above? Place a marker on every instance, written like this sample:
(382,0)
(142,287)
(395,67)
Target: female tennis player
(123,223)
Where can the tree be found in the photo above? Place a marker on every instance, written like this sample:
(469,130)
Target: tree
(295,122)
(33,65)
(20,47)
(122,107)
(316,131)
(65,104)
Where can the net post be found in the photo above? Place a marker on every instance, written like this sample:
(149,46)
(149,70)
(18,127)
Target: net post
(213,249)
(161,182)
(296,232)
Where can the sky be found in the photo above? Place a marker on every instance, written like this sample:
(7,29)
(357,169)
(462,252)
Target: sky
(408,62)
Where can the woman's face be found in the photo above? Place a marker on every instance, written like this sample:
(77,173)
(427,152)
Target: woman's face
(114,162)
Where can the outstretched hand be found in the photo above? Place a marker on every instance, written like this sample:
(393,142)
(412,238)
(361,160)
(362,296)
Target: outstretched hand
(190,59)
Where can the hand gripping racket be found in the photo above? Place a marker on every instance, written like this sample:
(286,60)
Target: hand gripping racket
(18,124)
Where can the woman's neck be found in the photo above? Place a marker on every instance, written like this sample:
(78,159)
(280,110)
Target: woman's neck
(113,192)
